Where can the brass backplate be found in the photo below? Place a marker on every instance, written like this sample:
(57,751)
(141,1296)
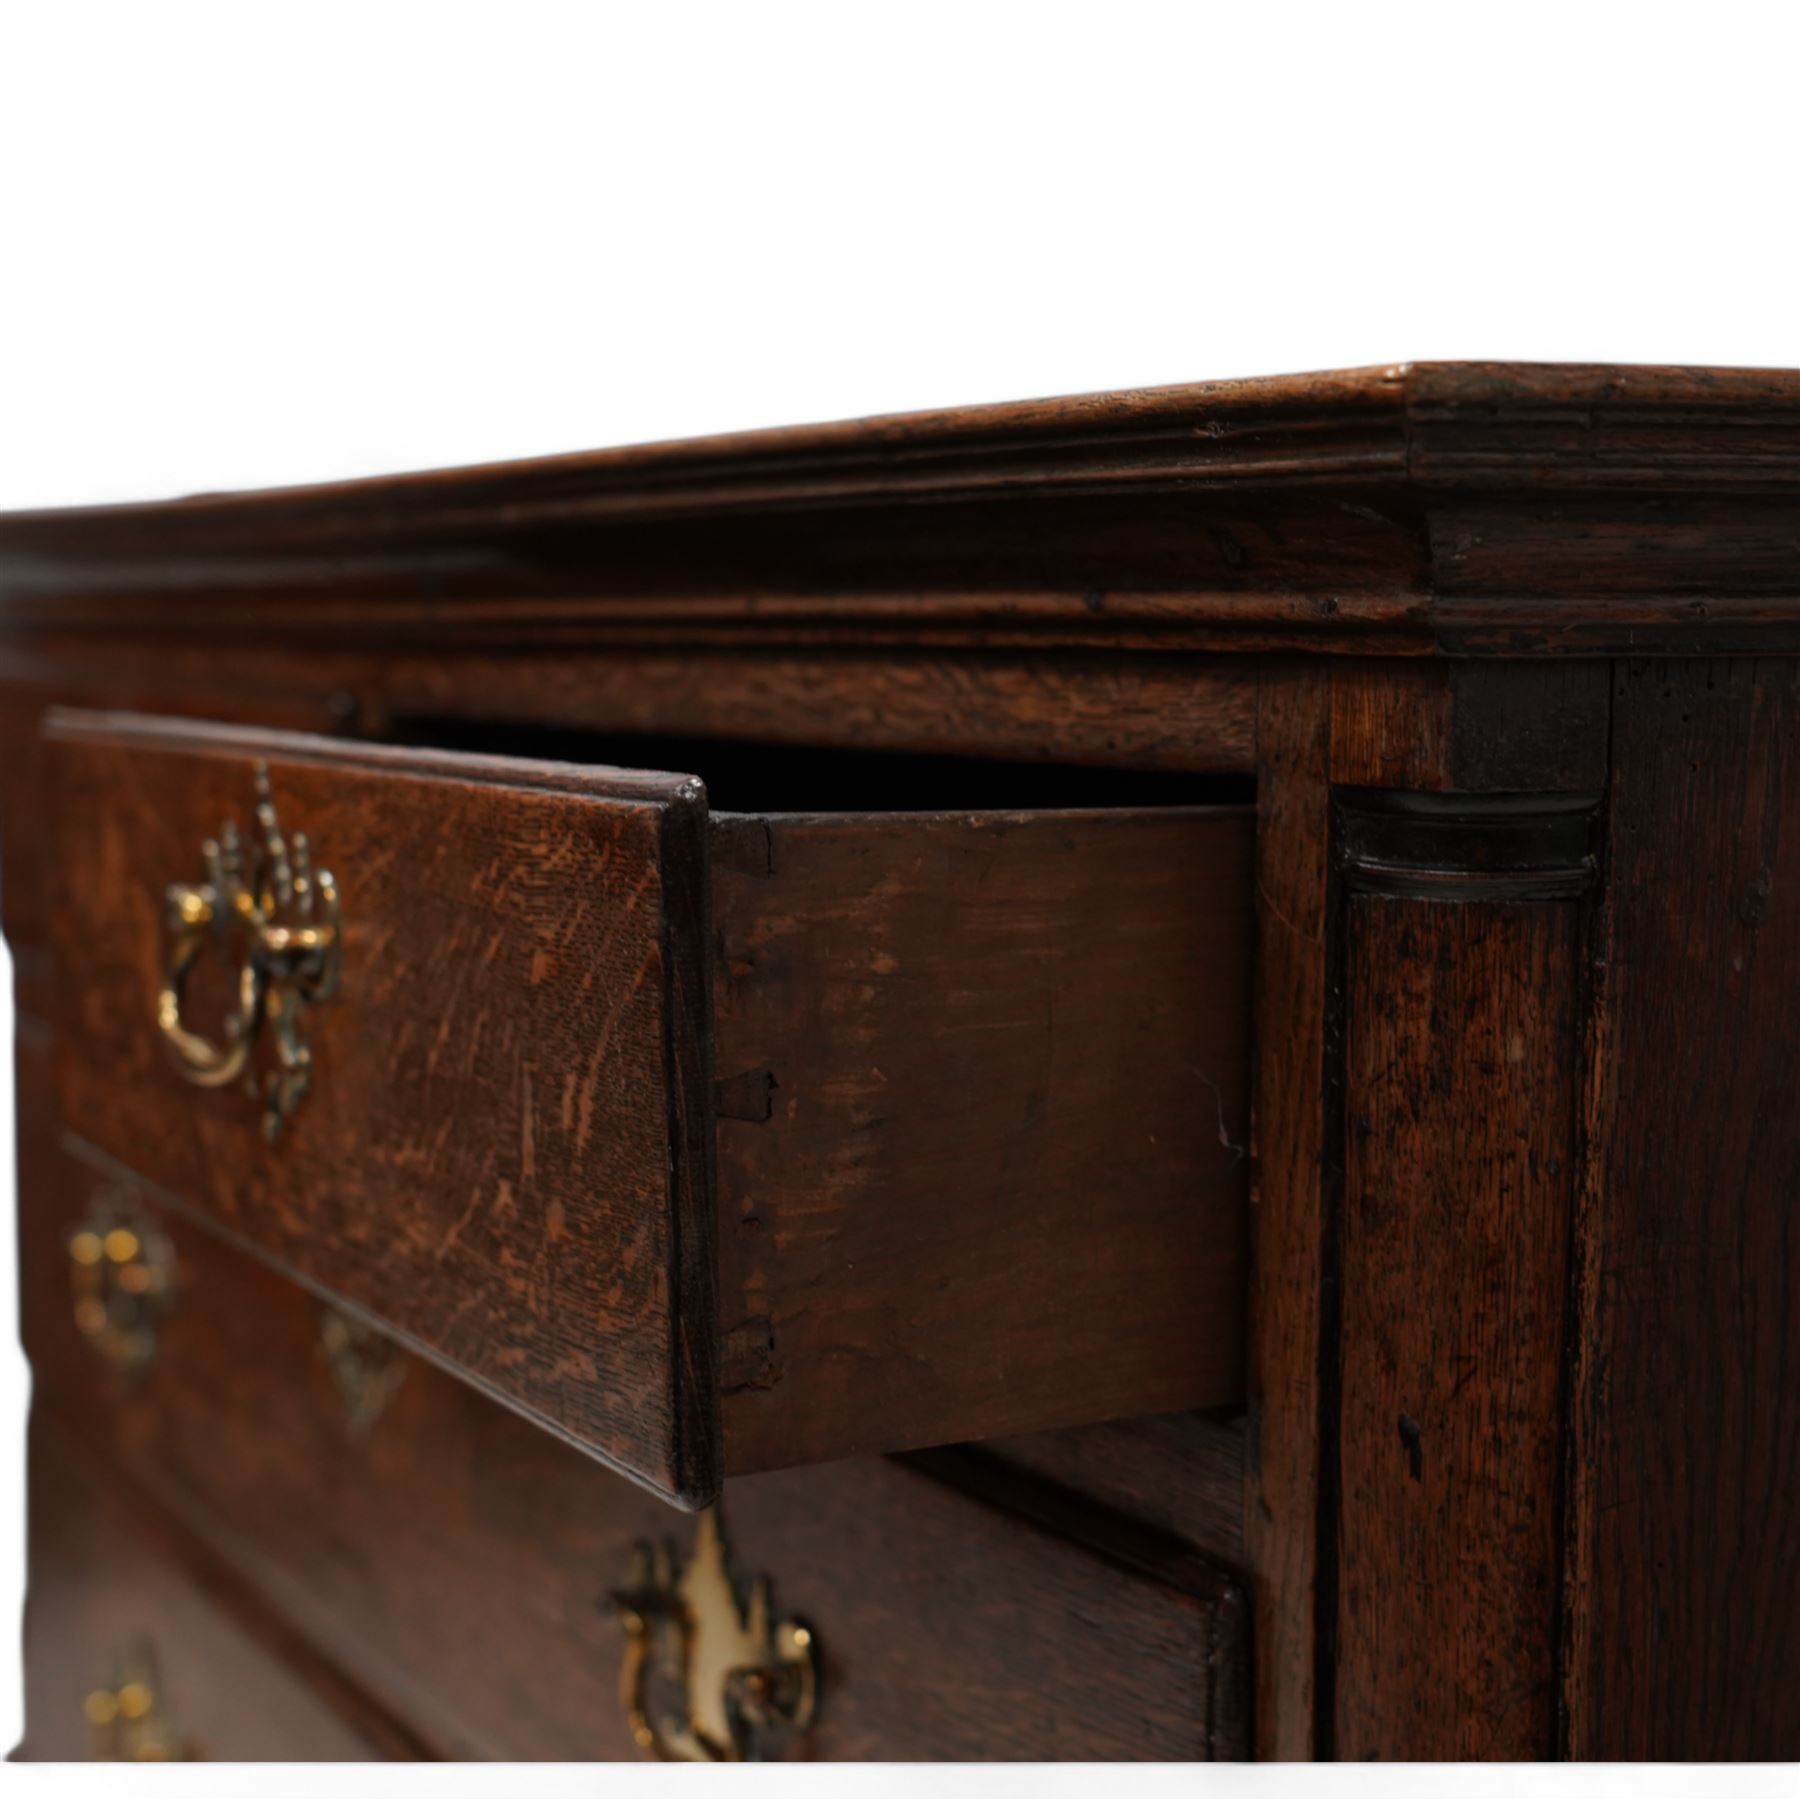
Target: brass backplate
(276,924)
(709,1675)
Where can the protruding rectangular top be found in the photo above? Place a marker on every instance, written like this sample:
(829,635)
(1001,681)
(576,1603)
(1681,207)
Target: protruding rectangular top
(1469,507)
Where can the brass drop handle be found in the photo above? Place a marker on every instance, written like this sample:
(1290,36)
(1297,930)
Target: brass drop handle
(277,923)
(708,1674)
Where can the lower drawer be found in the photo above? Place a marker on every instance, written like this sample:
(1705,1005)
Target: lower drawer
(457,1562)
(130,1657)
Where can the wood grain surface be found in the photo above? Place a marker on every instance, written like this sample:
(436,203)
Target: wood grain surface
(1685,1517)
(1474,727)
(36,685)
(1073,709)
(980,1096)
(1515,1344)
(455,1561)
(504,1152)
(1470,509)
(1465,828)
(1459,1101)
(981,1152)
(1281,1498)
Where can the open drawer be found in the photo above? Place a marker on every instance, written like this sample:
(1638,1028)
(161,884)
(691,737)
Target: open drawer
(715,1143)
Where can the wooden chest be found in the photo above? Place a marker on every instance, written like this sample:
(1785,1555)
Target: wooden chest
(1099,1080)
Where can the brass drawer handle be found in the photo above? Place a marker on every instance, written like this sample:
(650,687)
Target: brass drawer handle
(277,923)
(128,1719)
(122,1280)
(734,1683)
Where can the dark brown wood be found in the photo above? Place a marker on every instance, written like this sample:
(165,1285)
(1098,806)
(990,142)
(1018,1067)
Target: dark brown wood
(1182,1473)
(1142,711)
(944,1622)
(503,1155)
(1478,509)
(984,1154)
(1381,608)
(1476,727)
(1287,1233)
(21,904)
(36,685)
(929,1032)
(102,1579)
(1458,1116)
(1685,1590)
(1458,1027)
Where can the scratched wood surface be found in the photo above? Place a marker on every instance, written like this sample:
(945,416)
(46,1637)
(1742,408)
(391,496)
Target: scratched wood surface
(499,1155)
(1685,1517)
(455,1561)
(1106,581)
(930,1030)
(981,1144)
(30,690)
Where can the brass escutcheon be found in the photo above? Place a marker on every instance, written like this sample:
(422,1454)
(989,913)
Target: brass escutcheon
(276,923)
(366,1369)
(708,1675)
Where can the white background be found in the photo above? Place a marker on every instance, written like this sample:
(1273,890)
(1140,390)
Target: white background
(245,244)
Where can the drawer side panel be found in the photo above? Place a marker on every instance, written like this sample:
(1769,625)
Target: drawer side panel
(982,1157)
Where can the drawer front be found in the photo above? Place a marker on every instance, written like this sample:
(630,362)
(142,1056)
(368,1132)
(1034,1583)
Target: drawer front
(498,1152)
(456,1562)
(131,1656)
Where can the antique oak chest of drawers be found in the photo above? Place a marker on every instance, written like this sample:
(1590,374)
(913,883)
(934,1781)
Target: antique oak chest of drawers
(1108,1079)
